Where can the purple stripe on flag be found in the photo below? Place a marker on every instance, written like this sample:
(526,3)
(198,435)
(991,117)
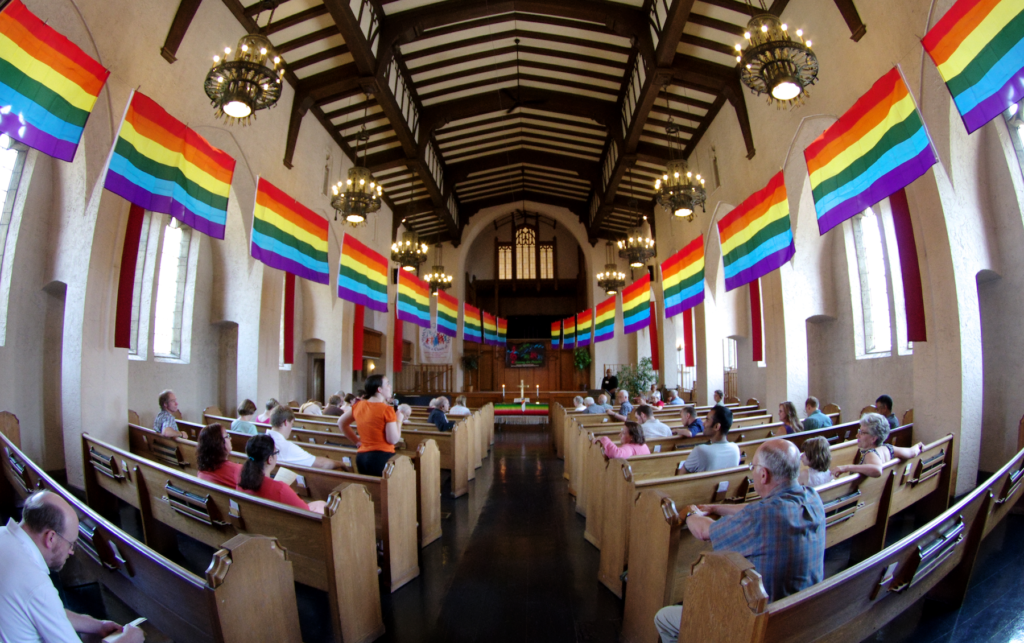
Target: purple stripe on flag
(997,103)
(761,268)
(899,177)
(36,138)
(361,299)
(143,198)
(275,260)
(405,316)
(684,305)
(643,322)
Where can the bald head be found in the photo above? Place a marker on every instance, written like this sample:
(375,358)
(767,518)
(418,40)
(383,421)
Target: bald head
(780,460)
(52,525)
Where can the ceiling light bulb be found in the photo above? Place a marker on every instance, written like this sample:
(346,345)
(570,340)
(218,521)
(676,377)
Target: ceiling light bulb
(800,32)
(277,59)
(683,212)
(786,90)
(227,50)
(739,47)
(808,43)
(263,51)
(785,26)
(216,59)
(739,59)
(746,34)
(237,109)
(245,47)
(764,28)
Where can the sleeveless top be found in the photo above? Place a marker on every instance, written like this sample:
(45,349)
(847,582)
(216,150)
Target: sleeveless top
(864,452)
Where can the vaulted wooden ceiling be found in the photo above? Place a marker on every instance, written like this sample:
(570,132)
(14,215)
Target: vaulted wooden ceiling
(475,103)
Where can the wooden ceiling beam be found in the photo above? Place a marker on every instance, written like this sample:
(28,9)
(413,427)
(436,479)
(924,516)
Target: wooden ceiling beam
(611,93)
(523,49)
(307,39)
(547,118)
(516,33)
(312,59)
(721,80)
(705,43)
(295,19)
(720,25)
(603,112)
(422,85)
(182,19)
(852,18)
(572,205)
(500,128)
(460,171)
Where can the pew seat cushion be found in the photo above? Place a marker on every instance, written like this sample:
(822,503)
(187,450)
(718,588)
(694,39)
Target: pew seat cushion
(371,420)
(226,474)
(278,492)
(782,535)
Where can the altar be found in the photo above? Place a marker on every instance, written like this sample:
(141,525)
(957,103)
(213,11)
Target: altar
(521,410)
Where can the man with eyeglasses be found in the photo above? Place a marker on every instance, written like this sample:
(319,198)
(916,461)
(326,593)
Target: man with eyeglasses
(782,535)
(30,608)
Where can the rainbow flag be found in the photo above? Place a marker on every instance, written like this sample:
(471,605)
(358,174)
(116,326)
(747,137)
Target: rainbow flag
(978,47)
(604,320)
(569,333)
(682,278)
(362,275)
(471,329)
(490,329)
(413,299)
(584,323)
(502,330)
(48,86)
(556,333)
(162,166)
(756,236)
(877,147)
(447,314)
(289,236)
(636,305)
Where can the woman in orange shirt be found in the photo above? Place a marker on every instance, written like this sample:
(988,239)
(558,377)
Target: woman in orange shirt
(379,427)
(255,477)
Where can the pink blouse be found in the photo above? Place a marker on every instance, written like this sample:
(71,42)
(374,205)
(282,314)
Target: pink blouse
(624,451)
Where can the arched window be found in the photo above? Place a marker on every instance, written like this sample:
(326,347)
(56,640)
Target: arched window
(12,162)
(869,286)
(526,252)
(172,274)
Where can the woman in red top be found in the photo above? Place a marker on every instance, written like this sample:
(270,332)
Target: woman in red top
(379,427)
(255,477)
(212,452)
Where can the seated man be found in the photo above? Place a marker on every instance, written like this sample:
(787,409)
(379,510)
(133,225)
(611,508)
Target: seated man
(30,607)
(674,399)
(720,454)
(691,423)
(437,417)
(782,535)
(579,404)
(333,405)
(601,406)
(884,406)
(281,421)
(165,424)
(815,419)
(610,382)
(652,428)
(625,408)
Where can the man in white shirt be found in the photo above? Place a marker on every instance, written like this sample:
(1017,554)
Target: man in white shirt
(289,451)
(719,453)
(652,428)
(30,608)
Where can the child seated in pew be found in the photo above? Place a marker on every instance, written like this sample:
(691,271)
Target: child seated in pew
(874,452)
(244,422)
(817,462)
(631,438)
(212,450)
(255,479)
(265,416)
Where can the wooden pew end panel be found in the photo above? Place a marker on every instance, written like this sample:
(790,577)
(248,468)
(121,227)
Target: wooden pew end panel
(733,615)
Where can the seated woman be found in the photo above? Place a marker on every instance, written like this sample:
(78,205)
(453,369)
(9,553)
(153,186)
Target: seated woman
(874,452)
(817,458)
(311,407)
(631,442)
(255,476)
(244,422)
(460,407)
(265,416)
(656,399)
(438,407)
(789,418)
(579,404)
(212,450)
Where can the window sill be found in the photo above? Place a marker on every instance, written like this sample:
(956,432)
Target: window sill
(874,355)
(136,358)
(166,359)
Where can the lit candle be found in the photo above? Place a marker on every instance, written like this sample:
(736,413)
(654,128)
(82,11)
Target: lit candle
(538,391)
(502,390)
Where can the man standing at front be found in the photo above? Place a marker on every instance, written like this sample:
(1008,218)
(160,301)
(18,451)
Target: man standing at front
(782,535)
(30,608)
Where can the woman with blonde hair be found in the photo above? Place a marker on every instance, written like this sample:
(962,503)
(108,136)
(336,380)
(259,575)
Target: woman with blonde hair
(788,416)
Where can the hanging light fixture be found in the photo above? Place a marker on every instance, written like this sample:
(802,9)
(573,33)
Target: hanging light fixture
(437,279)
(638,247)
(678,190)
(360,195)
(612,279)
(409,253)
(775,64)
(239,87)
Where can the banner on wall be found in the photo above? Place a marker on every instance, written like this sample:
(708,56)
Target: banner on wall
(435,347)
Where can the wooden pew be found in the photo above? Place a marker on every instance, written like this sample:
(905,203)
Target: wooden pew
(661,551)
(335,552)
(179,604)
(726,603)
(393,494)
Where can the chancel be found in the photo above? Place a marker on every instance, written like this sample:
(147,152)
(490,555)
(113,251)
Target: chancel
(686,256)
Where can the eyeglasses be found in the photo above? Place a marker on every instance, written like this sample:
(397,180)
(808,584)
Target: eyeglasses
(863,432)
(755,464)
(71,545)
(276,452)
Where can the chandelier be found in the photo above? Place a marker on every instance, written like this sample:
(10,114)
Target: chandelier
(638,247)
(437,279)
(409,252)
(678,190)
(359,195)
(611,279)
(249,82)
(773,63)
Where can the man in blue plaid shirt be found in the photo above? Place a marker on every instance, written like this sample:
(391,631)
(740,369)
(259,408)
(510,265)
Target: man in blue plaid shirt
(782,535)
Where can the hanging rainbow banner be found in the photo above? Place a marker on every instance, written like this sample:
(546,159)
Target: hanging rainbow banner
(569,333)
(472,331)
(604,320)
(289,236)
(978,47)
(556,334)
(413,299)
(447,314)
(362,275)
(490,329)
(162,166)
(877,147)
(584,322)
(756,236)
(48,86)
(502,330)
(682,278)
(636,305)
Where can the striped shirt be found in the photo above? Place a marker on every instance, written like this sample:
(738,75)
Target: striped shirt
(782,535)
